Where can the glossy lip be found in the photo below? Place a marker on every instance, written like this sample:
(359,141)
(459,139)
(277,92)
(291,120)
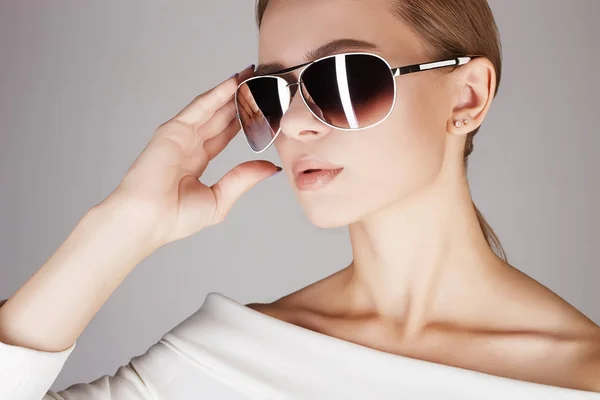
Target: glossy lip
(324,172)
(307,162)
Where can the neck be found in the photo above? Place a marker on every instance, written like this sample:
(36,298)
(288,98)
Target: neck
(403,253)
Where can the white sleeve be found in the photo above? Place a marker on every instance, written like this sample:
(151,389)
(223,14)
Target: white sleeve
(27,374)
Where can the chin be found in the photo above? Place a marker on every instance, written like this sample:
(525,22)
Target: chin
(335,210)
(329,221)
(329,216)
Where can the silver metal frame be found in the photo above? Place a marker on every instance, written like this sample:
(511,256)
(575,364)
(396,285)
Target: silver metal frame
(398,71)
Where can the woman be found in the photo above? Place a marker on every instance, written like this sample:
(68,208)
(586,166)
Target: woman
(373,134)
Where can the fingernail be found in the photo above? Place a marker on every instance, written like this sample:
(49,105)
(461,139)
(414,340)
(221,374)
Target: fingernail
(234,75)
(250,66)
(279,169)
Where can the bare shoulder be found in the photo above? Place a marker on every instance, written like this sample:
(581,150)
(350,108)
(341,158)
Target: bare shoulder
(557,342)
(302,306)
(527,332)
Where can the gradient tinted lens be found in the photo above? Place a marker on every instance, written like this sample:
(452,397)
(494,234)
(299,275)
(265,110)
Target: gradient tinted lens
(261,102)
(349,91)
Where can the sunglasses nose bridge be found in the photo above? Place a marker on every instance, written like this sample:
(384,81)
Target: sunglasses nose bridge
(293,88)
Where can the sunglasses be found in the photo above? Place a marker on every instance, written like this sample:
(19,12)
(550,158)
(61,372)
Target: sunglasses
(349,92)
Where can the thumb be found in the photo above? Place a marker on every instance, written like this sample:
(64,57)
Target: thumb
(238,181)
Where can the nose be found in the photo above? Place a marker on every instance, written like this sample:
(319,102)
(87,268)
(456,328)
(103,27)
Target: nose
(299,123)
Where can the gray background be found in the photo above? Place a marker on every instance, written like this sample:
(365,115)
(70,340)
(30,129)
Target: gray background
(84,84)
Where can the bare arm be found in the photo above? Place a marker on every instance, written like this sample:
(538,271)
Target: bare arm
(54,306)
(160,200)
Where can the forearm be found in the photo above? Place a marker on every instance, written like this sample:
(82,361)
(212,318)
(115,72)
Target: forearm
(54,306)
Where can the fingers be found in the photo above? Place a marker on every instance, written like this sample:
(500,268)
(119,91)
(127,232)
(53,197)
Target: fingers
(249,112)
(243,107)
(244,93)
(202,108)
(244,90)
(237,182)
(219,122)
(190,140)
(246,73)
(216,145)
(210,115)
(246,99)
(252,103)
(243,111)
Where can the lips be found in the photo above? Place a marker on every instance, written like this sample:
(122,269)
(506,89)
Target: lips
(311,173)
(307,165)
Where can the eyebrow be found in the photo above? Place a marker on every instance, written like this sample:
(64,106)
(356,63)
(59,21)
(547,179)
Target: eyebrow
(325,50)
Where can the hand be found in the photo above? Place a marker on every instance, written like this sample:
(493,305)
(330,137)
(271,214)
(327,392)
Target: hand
(162,186)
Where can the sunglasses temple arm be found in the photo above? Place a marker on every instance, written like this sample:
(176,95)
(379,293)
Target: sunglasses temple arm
(429,66)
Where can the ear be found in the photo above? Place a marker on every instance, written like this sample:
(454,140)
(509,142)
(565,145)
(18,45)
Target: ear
(476,85)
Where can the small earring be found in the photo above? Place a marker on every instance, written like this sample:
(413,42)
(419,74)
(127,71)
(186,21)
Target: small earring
(466,122)
(458,124)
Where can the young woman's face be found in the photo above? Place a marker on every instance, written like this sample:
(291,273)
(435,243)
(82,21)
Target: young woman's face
(383,164)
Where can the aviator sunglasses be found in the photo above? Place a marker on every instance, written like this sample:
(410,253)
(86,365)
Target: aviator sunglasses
(348,91)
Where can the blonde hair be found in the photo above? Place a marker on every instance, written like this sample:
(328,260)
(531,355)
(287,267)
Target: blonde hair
(451,28)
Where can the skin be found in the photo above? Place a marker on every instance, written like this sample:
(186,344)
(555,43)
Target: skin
(423,283)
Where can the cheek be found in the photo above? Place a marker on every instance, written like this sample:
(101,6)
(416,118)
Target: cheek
(383,164)
(406,150)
